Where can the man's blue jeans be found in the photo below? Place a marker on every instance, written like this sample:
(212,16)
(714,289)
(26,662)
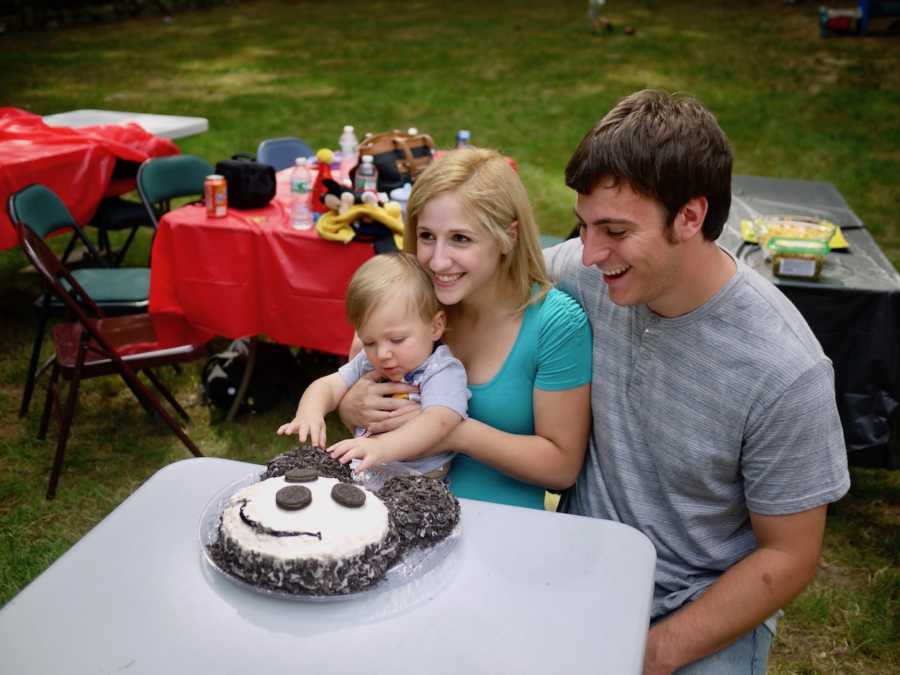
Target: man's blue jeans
(748,655)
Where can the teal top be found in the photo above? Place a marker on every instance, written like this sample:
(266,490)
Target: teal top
(552,352)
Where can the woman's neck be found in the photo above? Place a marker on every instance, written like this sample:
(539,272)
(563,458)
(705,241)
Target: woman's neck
(492,304)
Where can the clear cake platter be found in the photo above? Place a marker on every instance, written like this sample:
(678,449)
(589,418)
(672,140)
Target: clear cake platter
(418,575)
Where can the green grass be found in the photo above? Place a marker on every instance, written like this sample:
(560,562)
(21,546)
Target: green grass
(524,76)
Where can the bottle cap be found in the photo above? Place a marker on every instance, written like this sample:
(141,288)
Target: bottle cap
(367,158)
(348,127)
(300,161)
(412,131)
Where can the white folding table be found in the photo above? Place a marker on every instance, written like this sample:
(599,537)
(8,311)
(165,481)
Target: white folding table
(167,126)
(524,591)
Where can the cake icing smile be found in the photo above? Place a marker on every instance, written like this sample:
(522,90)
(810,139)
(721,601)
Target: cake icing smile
(325,530)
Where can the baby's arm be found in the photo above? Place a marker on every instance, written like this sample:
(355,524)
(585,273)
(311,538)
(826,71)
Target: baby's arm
(414,439)
(319,399)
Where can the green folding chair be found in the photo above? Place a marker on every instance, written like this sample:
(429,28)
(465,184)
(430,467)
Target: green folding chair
(120,290)
(162,179)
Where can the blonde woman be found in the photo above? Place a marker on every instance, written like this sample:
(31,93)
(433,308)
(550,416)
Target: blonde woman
(526,346)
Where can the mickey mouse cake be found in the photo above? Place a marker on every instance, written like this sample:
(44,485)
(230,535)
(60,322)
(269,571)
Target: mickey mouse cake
(305,528)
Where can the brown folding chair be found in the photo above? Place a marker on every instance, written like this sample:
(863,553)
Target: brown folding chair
(96,346)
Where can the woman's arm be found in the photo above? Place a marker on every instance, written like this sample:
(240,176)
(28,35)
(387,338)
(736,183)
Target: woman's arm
(411,441)
(551,458)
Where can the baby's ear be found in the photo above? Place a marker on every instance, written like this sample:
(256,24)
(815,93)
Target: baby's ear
(438,324)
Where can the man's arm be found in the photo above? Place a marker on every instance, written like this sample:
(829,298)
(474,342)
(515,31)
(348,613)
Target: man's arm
(783,564)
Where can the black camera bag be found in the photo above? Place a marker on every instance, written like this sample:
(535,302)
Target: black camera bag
(251,185)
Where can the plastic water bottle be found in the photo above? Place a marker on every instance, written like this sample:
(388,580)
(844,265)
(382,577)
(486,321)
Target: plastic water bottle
(349,145)
(301,186)
(366,177)
(348,141)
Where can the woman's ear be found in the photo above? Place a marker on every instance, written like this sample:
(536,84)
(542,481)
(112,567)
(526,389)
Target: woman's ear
(438,324)
(512,231)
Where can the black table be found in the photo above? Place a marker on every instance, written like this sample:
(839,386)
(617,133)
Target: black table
(854,308)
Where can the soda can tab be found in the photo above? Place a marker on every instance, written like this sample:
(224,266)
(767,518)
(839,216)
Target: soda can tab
(462,138)
(215,194)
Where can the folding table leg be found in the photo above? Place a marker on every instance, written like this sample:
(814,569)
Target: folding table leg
(245,381)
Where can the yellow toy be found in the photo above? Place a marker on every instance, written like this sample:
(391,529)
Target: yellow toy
(349,215)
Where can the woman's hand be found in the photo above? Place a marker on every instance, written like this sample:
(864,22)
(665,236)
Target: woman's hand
(372,405)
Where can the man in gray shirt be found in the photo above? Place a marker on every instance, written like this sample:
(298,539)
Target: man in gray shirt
(715,428)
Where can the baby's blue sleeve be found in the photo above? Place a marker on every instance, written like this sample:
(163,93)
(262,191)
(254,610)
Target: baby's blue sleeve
(445,384)
(564,344)
(355,368)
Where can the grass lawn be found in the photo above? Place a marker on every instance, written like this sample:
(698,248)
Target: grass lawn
(526,77)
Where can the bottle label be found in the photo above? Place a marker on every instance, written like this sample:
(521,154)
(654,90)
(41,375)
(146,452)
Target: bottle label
(300,186)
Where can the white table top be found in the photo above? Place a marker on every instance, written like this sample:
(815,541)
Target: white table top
(526,592)
(167,126)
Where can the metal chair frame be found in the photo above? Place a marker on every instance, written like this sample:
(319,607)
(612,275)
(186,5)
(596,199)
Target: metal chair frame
(48,304)
(101,346)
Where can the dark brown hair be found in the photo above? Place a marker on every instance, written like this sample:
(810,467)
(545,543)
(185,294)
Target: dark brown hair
(667,147)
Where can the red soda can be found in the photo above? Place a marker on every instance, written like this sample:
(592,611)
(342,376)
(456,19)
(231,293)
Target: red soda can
(215,194)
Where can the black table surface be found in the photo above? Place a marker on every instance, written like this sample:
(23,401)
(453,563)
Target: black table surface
(854,307)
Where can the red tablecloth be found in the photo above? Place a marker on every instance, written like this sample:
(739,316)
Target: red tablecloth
(250,273)
(77,164)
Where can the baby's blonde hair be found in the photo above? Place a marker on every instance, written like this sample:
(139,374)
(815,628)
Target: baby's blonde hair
(493,196)
(387,278)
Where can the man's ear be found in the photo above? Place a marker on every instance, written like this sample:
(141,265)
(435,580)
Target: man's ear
(690,218)
(438,324)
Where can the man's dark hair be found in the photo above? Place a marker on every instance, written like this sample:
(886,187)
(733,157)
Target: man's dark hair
(668,147)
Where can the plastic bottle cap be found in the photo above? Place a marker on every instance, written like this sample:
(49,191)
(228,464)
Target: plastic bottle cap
(367,158)
(300,161)
(412,131)
(348,127)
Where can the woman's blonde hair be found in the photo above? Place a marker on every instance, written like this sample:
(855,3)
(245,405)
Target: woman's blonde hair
(390,277)
(494,197)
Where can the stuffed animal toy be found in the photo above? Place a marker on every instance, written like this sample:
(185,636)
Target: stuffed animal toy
(351,215)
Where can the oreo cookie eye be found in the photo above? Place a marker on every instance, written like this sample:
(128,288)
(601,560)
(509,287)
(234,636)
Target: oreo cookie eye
(301,475)
(348,495)
(293,497)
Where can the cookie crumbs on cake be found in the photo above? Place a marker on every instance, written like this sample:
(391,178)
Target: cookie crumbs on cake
(306,456)
(423,509)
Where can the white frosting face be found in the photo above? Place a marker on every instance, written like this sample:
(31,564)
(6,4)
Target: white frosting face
(345,531)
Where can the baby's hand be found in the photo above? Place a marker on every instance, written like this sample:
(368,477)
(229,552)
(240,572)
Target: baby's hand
(311,427)
(367,449)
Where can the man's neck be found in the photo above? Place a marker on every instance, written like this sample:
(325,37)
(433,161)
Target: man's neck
(706,270)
